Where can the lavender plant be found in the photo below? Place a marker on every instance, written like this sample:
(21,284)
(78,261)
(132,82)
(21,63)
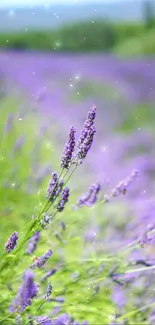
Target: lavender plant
(73,277)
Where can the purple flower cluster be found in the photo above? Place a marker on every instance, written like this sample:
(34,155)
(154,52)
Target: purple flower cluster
(148,237)
(48,274)
(64,319)
(87,125)
(86,144)
(26,292)
(69,149)
(33,243)
(64,199)
(43,320)
(52,188)
(40,261)
(11,242)
(87,135)
(91,197)
(123,185)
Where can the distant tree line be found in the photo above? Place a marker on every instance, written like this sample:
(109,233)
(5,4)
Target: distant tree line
(81,37)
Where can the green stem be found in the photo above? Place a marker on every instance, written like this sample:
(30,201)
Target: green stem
(39,307)
(2,320)
(48,202)
(141,269)
(136,311)
(3,255)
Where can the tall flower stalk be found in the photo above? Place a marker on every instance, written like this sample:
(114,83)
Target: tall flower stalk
(69,162)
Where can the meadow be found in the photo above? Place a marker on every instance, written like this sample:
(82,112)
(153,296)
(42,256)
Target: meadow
(101,270)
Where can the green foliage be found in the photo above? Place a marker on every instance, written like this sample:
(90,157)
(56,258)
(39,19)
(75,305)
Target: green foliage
(149,15)
(137,46)
(83,37)
(79,37)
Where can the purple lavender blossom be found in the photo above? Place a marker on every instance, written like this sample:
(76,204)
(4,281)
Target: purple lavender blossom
(48,274)
(85,197)
(40,261)
(52,188)
(87,135)
(91,197)
(43,320)
(123,185)
(49,291)
(118,296)
(88,123)
(69,149)
(25,293)
(63,319)
(64,199)
(148,238)
(86,144)
(32,243)
(11,242)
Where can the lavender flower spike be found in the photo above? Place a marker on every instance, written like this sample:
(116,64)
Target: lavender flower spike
(91,197)
(88,123)
(86,144)
(64,199)
(25,293)
(124,185)
(32,243)
(49,291)
(48,274)
(40,261)
(148,237)
(11,242)
(69,148)
(52,188)
(43,320)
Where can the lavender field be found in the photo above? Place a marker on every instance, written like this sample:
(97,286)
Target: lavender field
(102,266)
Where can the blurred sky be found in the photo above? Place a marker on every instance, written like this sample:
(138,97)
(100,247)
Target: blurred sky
(19,3)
